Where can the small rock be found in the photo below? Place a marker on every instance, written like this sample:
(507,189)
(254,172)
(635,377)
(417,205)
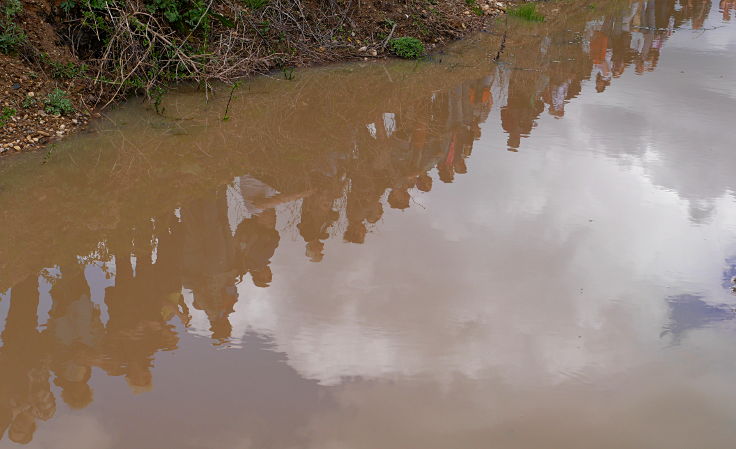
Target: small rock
(31,94)
(362,49)
(75,121)
(16,148)
(373,52)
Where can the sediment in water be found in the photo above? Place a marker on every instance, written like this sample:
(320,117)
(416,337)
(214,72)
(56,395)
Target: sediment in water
(138,48)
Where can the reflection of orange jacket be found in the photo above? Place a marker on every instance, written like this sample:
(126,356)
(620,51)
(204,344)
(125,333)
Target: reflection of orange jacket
(487,99)
(598,47)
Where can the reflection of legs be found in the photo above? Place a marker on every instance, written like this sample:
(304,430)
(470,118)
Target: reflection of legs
(73,379)
(315,250)
(24,389)
(22,429)
(262,277)
(259,239)
(22,320)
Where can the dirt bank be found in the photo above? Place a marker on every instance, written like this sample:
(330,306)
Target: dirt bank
(64,61)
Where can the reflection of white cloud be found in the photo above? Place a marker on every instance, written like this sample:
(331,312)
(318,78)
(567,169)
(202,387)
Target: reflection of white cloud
(571,251)
(534,263)
(69,431)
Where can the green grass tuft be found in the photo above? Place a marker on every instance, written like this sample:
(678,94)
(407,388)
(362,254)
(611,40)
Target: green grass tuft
(527,11)
(6,115)
(255,4)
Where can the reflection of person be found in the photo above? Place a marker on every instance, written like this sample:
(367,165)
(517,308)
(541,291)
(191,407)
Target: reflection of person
(317,216)
(25,391)
(209,259)
(75,332)
(369,178)
(258,239)
(364,205)
(726,7)
(601,60)
(523,107)
(139,306)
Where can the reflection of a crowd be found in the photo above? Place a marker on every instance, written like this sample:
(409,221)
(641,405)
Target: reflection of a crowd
(212,244)
(544,76)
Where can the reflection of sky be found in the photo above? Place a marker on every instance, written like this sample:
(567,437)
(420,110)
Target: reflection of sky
(560,275)
(689,312)
(4,304)
(530,266)
(535,262)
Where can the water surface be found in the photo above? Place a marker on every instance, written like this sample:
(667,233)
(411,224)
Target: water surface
(457,253)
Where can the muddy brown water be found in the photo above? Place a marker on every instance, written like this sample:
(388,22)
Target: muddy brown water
(456,253)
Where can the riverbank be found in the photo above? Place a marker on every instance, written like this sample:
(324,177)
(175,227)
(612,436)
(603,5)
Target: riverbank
(58,74)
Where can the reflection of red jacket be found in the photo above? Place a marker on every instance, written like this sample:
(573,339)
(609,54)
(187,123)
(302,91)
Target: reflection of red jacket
(598,47)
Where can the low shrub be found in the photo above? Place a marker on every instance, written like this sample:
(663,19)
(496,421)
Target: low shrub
(58,103)
(407,47)
(5,115)
(11,34)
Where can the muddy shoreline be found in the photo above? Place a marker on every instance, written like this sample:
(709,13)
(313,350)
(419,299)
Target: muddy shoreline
(32,86)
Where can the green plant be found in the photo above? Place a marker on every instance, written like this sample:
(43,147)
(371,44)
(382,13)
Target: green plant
(5,116)
(47,156)
(407,47)
(288,73)
(235,85)
(421,26)
(29,102)
(157,94)
(11,34)
(66,71)
(67,5)
(58,103)
(527,11)
(473,5)
(255,4)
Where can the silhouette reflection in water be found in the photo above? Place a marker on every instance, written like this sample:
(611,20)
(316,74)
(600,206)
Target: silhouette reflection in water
(204,249)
